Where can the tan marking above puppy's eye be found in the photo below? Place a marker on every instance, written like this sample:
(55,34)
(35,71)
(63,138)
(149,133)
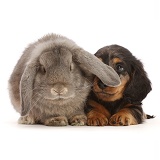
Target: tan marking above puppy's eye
(116,60)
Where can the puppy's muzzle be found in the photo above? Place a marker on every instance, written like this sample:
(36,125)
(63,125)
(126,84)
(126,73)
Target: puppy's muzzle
(101,85)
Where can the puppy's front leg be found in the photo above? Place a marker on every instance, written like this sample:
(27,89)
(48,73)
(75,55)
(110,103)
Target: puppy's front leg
(130,115)
(98,114)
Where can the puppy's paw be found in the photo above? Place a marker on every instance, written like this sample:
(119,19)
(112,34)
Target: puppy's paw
(26,120)
(78,120)
(97,119)
(122,119)
(56,121)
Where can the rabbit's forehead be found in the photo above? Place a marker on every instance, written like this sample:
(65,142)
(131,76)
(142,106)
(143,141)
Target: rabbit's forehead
(56,56)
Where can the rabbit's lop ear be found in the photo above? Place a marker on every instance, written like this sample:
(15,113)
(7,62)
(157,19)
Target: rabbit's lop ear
(26,88)
(94,65)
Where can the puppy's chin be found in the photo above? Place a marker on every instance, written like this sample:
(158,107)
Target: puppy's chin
(108,97)
(105,95)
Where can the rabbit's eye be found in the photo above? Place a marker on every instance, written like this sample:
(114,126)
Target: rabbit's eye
(42,69)
(71,67)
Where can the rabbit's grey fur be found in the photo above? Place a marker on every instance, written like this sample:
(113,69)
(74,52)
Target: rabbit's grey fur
(52,79)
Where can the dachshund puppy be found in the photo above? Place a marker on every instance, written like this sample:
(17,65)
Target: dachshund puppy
(122,105)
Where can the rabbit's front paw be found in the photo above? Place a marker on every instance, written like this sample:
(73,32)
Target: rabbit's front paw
(78,120)
(26,120)
(56,121)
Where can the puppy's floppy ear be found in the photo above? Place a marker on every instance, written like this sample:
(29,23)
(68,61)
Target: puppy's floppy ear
(139,85)
(26,87)
(92,64)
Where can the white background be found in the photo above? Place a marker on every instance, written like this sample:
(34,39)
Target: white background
(92,24)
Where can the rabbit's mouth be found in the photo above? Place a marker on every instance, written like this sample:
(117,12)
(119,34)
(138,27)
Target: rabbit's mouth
(60,97)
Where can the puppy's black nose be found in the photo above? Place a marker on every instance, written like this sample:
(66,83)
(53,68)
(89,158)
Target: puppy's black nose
(101,85)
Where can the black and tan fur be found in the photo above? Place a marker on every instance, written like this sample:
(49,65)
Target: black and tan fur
(120,105)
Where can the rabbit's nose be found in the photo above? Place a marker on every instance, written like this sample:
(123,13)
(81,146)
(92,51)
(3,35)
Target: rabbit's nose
(59,91)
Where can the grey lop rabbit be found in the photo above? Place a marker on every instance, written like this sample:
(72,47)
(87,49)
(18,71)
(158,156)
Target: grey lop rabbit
(52,79)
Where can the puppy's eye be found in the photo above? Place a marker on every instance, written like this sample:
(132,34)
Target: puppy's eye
(119,68)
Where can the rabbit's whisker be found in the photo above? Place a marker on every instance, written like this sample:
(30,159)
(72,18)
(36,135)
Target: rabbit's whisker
(34,104)
(31,91)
